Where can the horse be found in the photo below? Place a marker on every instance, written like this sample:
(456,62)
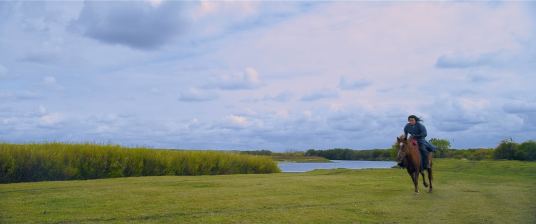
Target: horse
(409,156)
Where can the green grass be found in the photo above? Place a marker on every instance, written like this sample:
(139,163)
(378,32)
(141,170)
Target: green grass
(465,192)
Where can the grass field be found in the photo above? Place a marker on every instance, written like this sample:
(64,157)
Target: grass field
(465,192)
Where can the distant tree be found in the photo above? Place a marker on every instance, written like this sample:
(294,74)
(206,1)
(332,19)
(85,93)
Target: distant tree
(443,147)
(349,154)
(311,152)
(506,149)
(526,151)
(258,152)
(441,144)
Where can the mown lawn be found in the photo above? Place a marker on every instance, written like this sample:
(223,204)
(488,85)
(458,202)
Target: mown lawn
(465,192)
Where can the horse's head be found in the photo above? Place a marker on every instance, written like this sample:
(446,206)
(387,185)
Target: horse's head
(402,143)
(404,146)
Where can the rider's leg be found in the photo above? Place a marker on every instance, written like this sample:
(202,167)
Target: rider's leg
(424,155)
(430,147)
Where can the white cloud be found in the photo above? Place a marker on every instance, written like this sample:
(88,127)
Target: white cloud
(155,3)
(238,120)
(248,79)
(50,119)
(308,114)
(320,94)
(196,95)
(237,10)
(280,97)
(49,80)
(282,113)
(42,109)
(207,16)
(526,111)
(20,95)
(519,107)
(343,74)
(461,60)
(41,57)
(194,123)
(347,84)
(459,114)
(140,25)
(103,128)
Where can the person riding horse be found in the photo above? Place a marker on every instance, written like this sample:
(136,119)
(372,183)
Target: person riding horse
(418,132)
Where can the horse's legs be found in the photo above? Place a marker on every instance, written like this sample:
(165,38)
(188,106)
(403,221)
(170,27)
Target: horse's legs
(430,179)
(429,171)
(415,178)
(430,176)
(424,178)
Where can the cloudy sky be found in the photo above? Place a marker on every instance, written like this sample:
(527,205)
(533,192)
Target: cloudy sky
(266,75)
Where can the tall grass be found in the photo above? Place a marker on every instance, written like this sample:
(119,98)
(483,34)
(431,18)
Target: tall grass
(60,161)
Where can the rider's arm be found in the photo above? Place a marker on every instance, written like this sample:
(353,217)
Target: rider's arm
(406,130)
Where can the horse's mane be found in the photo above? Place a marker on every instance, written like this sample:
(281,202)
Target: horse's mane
(403,136)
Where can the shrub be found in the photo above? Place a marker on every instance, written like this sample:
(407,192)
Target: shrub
(505,150)
(526,151)
(443,147)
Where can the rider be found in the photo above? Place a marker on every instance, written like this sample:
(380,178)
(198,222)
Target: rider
(418,131)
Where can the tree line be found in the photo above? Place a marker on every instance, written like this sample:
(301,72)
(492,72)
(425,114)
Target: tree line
(350,154)
(507,149)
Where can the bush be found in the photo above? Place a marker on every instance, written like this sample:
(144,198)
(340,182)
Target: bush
(526,151)
(443,147)
(506,150)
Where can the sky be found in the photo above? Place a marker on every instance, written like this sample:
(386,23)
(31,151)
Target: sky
(281,76)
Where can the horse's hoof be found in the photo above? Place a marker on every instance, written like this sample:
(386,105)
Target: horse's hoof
(430,191)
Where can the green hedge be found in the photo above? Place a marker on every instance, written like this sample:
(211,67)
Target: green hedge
(508,149)
(59,161)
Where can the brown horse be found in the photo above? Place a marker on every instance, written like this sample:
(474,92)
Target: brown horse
(410,157)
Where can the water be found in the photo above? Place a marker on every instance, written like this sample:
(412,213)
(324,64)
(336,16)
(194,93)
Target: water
(348,164)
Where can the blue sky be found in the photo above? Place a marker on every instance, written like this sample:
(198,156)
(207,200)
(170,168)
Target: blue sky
(266,75)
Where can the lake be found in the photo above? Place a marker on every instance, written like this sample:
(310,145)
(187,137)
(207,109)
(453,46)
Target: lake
(291,167)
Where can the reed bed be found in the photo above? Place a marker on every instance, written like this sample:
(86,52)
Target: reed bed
(61,161)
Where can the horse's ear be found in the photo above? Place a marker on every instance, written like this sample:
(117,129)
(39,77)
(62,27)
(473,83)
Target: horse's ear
(397,138)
